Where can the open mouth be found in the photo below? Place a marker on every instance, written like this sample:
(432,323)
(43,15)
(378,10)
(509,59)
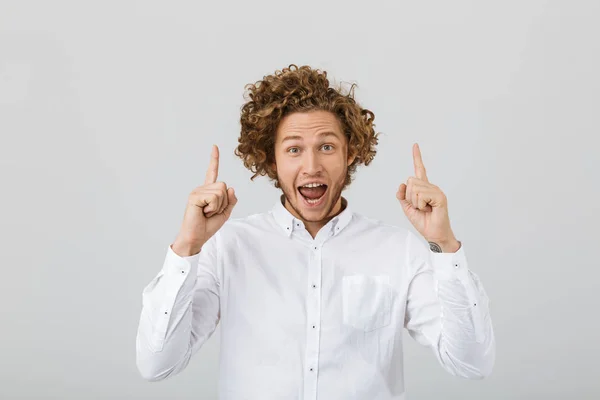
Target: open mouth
(313,194)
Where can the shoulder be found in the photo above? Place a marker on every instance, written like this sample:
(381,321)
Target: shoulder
(375,233)
(375,226)
(246,226)
(249,221)
(403,239)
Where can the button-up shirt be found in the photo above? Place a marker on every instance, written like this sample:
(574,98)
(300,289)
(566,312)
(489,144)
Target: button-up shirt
(314,318)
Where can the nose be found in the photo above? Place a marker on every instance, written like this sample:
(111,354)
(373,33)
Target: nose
(311,163)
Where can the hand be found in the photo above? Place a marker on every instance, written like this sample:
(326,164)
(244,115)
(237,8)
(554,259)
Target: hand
(426,207)
(208,207)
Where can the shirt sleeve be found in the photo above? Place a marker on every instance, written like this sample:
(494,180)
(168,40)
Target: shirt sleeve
(180,311)
(448,310)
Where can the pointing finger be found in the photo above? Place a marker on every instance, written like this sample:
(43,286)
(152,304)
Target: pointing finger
(418,162)
(213,167)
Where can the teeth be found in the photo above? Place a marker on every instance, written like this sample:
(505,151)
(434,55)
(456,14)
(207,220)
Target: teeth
(314,201)
(311,185)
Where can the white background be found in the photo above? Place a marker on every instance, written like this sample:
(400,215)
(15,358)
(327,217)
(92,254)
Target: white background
(108,111)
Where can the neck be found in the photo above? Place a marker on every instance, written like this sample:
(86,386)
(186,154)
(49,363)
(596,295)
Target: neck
(313,227)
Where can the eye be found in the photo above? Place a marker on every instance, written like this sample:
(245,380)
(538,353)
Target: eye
(290,150)
(328,145)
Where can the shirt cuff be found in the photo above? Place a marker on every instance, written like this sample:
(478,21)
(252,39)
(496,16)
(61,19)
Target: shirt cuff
(450,266)
(183,266)
(454,267)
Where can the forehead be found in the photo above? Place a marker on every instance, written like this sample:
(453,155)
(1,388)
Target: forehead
(308,124)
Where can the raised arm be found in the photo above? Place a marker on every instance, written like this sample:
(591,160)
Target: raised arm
(180,306)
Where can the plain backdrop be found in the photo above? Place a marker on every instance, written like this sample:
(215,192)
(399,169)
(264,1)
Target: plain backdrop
(108,111)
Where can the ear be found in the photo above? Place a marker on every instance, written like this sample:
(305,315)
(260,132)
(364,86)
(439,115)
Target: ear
(351,158)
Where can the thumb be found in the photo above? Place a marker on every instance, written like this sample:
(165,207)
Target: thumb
(401,195)
(232,202)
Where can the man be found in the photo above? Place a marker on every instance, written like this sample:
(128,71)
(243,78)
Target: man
(312,297)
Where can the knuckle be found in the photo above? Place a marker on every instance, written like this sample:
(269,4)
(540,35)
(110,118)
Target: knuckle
(194,196)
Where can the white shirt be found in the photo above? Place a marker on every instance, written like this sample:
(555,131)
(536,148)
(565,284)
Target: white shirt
(321,318)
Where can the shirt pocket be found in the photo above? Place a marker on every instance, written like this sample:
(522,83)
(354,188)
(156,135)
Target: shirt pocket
(366,301)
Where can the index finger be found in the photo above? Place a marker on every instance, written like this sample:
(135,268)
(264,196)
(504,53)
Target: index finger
(420,172)
(213,166)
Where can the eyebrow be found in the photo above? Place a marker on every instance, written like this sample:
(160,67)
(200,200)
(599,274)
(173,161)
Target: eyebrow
(320,134)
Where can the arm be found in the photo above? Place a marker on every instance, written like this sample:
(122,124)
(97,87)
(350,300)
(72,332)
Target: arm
(448,310)
(180,311)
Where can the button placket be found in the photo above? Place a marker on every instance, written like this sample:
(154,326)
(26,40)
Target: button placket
(313,307)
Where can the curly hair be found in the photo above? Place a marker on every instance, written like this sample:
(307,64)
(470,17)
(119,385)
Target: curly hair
(300,89)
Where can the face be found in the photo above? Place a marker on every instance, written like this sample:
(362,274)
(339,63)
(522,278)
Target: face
(311,149)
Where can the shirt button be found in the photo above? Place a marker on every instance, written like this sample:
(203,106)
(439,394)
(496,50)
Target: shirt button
(314,286)
(455,265)
(314,326)
(311,369)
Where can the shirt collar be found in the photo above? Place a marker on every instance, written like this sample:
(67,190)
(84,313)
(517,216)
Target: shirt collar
(288,222)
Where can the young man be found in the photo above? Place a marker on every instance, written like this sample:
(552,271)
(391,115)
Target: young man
(312,297)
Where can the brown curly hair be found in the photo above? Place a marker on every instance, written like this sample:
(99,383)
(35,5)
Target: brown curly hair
(300,89)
